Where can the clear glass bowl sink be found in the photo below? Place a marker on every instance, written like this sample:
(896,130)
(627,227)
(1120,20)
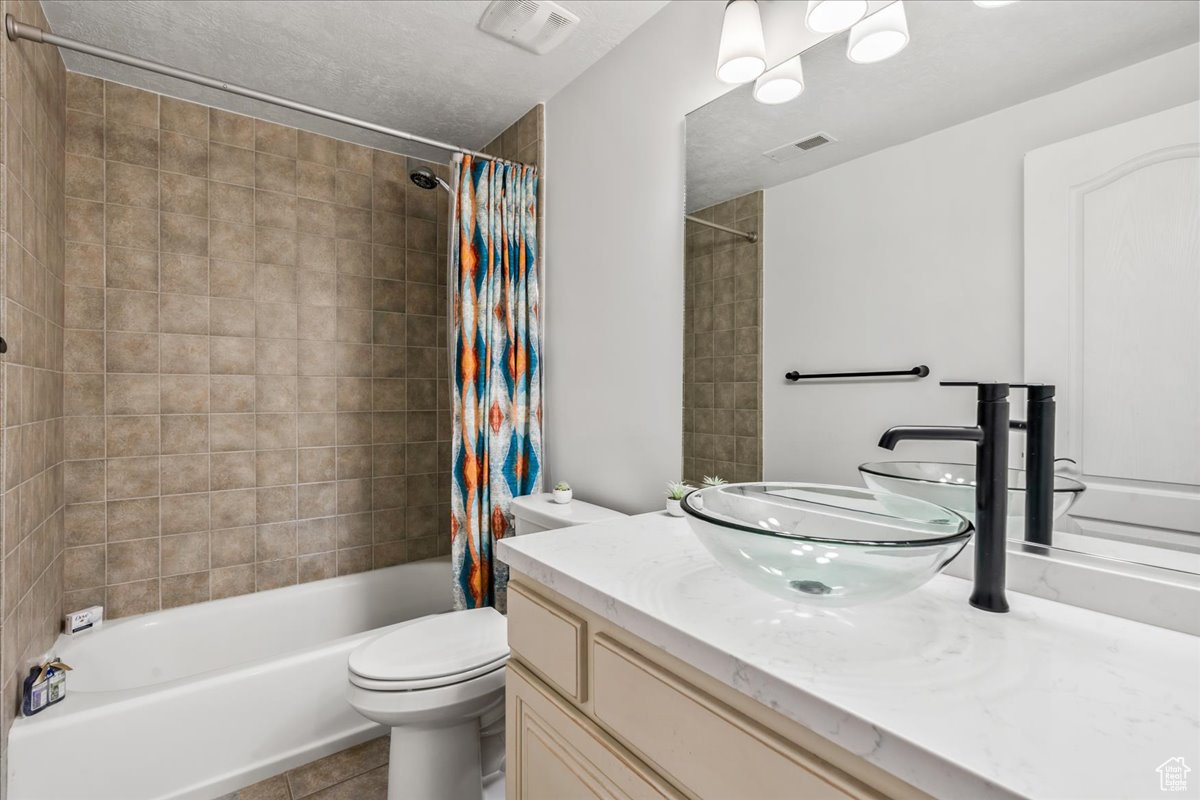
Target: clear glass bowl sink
(953,486)
(825,545)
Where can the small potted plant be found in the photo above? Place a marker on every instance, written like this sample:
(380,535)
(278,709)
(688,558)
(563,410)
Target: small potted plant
(676,490)
(562,492)
(714,480)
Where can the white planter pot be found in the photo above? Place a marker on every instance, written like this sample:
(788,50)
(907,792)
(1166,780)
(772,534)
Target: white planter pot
(562,496)
(674,508)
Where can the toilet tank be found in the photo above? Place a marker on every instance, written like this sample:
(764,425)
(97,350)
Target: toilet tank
(539,512)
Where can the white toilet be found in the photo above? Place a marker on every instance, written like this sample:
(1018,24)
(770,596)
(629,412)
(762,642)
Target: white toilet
(438,682)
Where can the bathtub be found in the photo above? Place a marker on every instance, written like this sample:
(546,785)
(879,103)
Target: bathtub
(194,702)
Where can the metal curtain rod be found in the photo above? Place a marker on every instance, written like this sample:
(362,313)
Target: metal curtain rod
(19,30)
(750,236)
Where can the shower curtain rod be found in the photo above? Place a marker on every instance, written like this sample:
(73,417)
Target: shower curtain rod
(749,236)
(19,30)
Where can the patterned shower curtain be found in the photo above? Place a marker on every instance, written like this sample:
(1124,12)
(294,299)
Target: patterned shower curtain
(497,441)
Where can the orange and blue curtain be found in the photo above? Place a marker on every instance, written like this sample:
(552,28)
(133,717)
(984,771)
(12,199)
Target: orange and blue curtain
(497,440)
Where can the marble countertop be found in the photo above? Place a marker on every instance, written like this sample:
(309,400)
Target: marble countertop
(1047,701)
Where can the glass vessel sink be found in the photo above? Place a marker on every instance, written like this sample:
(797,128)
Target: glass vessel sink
(825,545)
(953,486)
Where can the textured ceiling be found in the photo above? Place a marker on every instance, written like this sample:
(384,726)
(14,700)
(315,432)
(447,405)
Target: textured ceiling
(422,67)
(962,62)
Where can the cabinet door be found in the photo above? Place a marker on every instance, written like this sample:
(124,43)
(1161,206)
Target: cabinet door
(555,753)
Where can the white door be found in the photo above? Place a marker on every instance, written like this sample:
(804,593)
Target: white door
(1112,318)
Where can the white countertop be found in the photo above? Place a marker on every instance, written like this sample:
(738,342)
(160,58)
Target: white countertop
(1047,701)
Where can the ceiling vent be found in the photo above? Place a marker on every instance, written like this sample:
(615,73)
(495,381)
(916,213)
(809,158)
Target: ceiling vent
(538,26)
(799,147)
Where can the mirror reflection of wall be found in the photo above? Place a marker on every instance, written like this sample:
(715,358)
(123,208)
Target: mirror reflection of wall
(722,351)
(1012,197)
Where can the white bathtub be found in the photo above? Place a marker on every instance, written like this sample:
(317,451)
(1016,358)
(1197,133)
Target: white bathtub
(194,702)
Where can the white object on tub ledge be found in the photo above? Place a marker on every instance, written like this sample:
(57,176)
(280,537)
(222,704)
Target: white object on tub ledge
(215,696)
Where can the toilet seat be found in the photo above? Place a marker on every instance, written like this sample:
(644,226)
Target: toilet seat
(432,652)
(377,685)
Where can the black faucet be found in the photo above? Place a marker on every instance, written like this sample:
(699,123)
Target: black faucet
(1039,460)
(990,434)
(1038,427)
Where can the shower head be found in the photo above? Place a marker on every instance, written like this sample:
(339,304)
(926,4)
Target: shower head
(425,178)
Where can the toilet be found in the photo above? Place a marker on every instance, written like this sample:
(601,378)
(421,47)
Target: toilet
(438,683)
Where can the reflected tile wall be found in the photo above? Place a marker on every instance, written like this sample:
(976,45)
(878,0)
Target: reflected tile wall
(255,354)
(722,334)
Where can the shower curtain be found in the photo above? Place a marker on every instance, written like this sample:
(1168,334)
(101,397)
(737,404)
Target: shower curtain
(496,374)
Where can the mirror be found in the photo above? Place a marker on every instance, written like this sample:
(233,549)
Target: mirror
(1011,197)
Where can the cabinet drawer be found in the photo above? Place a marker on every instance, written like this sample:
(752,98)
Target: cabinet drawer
(555,753)
(548,639)
(697,742)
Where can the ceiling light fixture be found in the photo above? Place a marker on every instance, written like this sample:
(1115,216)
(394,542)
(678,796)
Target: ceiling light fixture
(879,36)
(780,83)
(742,56)
(994,3)
(831,16)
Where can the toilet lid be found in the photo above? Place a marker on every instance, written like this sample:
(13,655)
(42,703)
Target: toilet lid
(434,647)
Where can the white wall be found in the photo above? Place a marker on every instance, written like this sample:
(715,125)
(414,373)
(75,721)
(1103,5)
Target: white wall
(913,255)
(614,258)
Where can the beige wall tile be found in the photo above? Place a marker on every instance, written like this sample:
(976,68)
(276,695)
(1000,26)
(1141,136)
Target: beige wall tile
(130,185)
(184,154)
(132,477)
(132,394)
(133,560)
(127,599)
(232,546)
(231,128)
(131,269)
(131,144)
(183,117)
(250,310)
(85,93)
(182,590)
(184,313)
(232,581)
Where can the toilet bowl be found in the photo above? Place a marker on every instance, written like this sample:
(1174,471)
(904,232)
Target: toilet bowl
(438,683)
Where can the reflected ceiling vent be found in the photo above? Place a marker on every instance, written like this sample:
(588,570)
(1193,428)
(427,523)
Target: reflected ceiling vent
(799,147)
(538,26)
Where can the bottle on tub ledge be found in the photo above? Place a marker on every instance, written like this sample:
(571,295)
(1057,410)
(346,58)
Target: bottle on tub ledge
(45,685)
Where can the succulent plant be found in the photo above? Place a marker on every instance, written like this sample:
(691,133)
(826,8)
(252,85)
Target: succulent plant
(714,480)
(676,490)
(562,486)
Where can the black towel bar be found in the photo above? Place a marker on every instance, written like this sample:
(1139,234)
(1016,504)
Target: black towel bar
(919,372)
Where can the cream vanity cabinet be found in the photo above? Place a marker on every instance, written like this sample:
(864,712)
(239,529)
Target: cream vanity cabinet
(593,712)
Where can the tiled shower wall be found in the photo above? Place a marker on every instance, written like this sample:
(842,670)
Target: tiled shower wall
(722,334)
(31,322)
(256,388)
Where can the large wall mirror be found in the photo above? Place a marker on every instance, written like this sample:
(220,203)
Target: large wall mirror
(1011,197)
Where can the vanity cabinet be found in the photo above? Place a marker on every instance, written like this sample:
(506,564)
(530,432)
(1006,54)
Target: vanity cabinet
(593,711)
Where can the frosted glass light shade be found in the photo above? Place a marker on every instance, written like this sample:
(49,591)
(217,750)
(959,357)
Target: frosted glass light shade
(831,16)
(879,36)
(742,56)
(781,83)
(994,3)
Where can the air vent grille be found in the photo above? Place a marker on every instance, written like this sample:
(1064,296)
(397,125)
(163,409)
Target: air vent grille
(538,26)
(813,141)
(799,147)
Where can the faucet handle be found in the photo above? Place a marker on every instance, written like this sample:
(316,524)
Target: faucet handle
(1037,391)
(989,391)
